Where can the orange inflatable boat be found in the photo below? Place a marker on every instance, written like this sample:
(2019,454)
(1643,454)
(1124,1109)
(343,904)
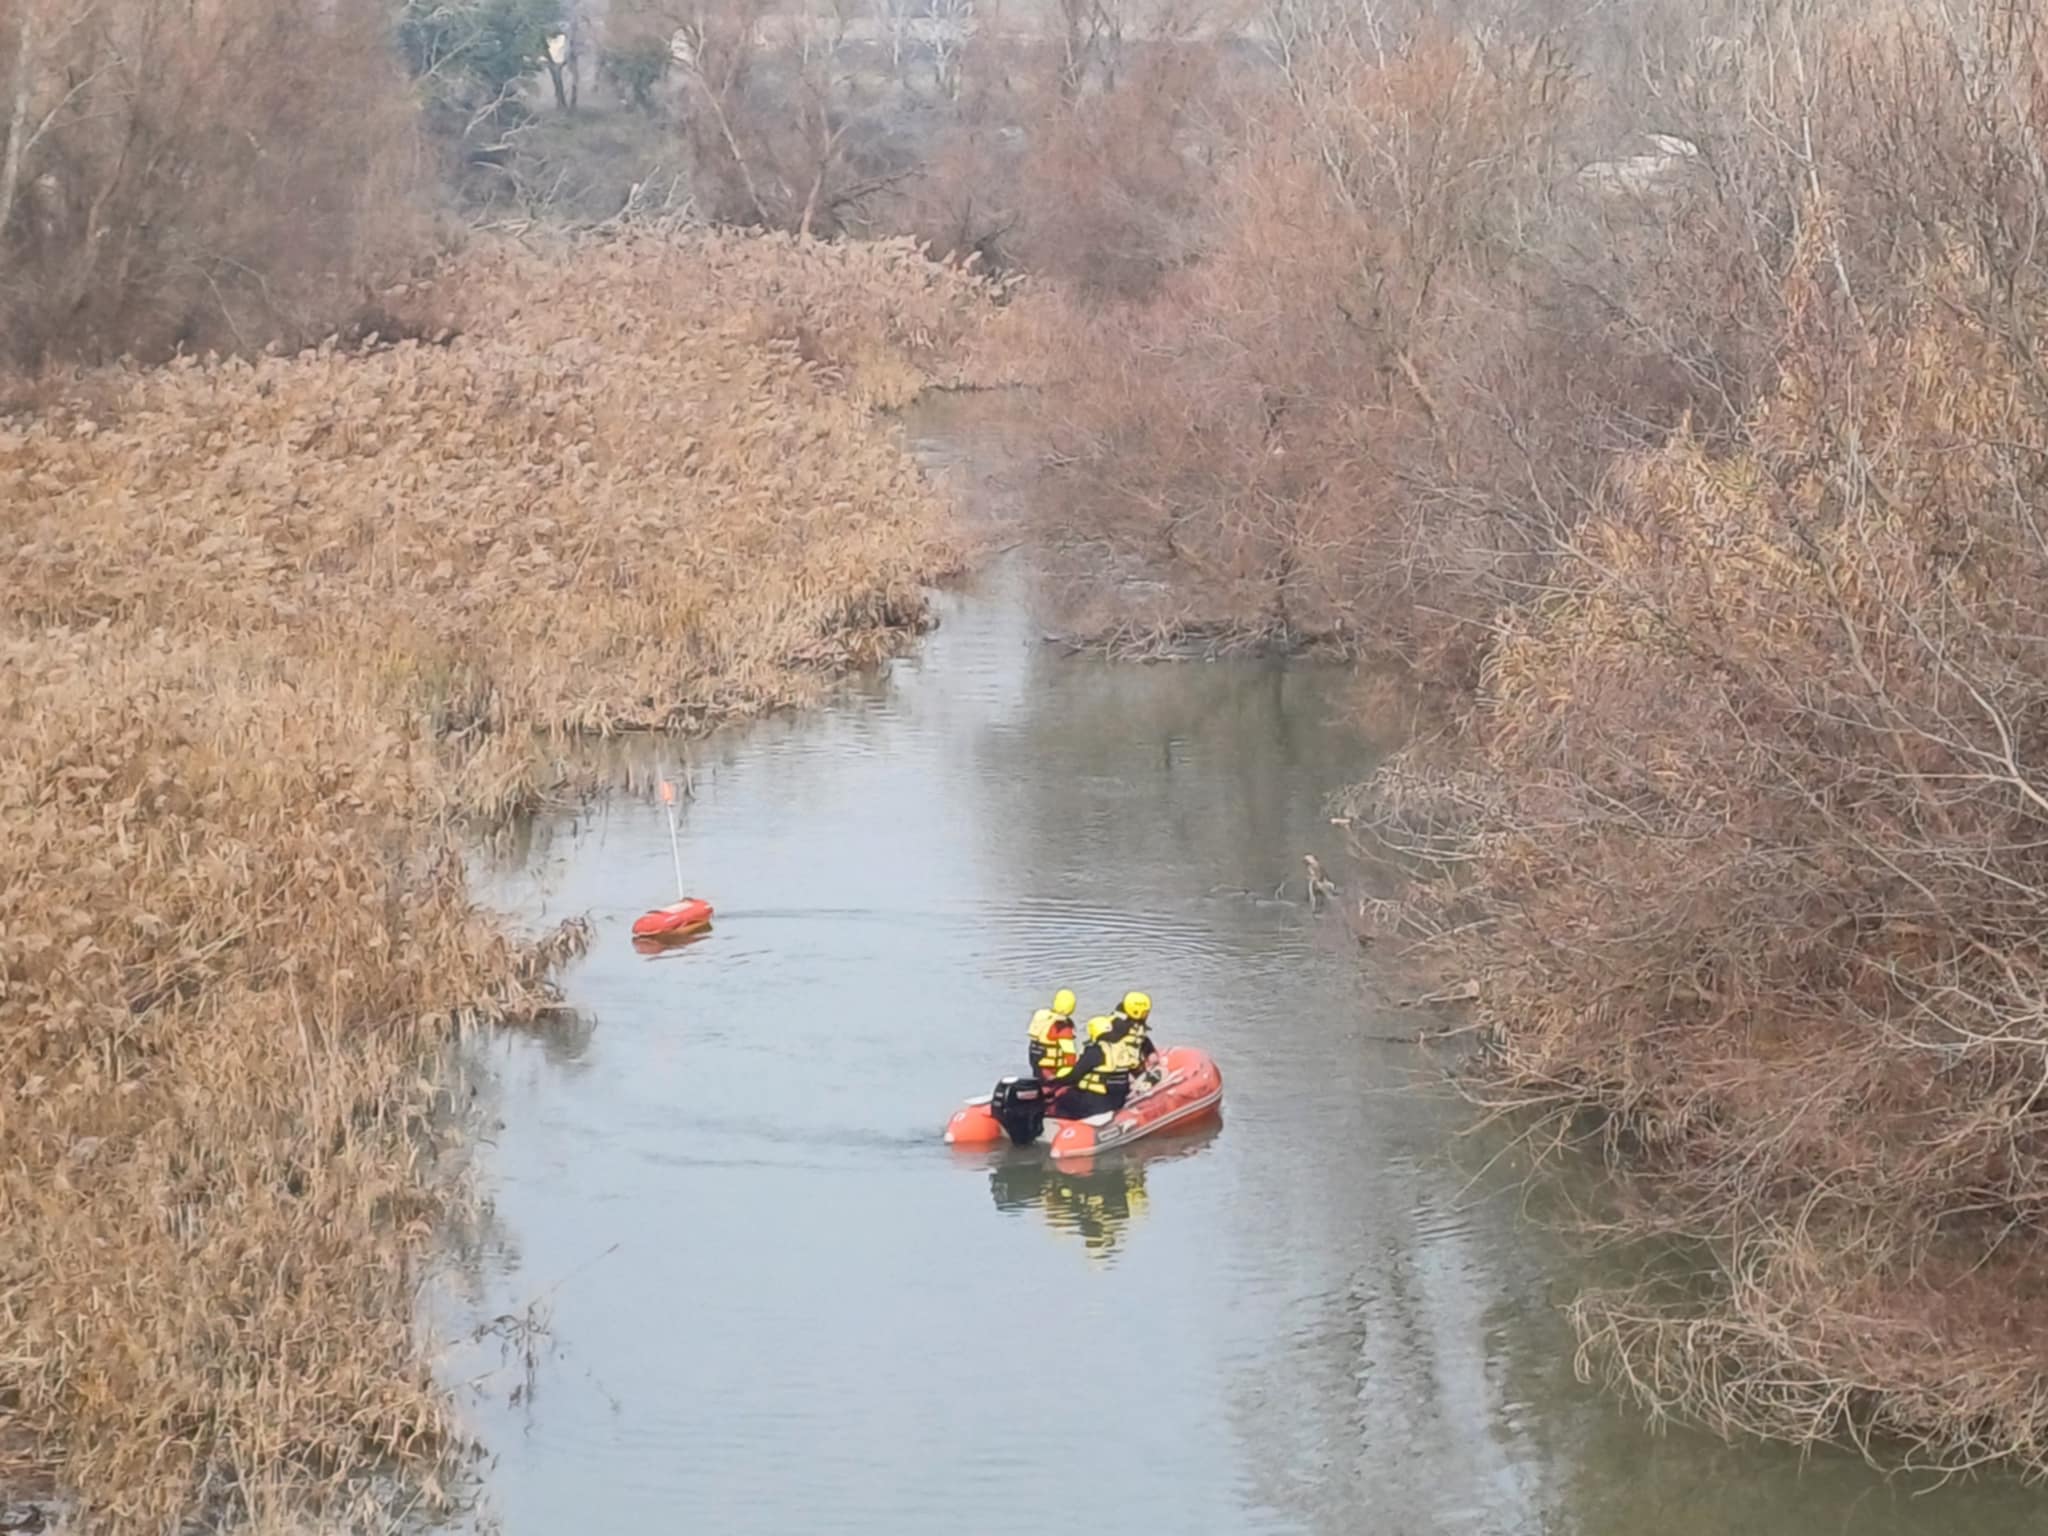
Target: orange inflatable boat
(1189,1089)
(674,920)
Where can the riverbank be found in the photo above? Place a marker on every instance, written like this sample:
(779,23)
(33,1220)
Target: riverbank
(270,630)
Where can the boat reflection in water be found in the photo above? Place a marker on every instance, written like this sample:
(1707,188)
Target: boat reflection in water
(1095,1198)
(662,946)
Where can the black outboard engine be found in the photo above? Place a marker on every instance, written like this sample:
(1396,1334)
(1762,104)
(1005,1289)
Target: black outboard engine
(1018,1103)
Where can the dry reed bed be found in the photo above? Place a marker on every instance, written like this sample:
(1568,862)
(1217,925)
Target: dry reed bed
(265,629)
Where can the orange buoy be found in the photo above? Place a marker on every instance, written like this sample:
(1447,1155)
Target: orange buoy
(678,919)
(674,920)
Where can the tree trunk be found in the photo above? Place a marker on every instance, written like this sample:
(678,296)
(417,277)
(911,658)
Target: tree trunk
(17,117)
(803,227)
(732,146)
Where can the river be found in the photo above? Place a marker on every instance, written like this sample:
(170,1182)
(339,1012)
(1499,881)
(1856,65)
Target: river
(774,1302)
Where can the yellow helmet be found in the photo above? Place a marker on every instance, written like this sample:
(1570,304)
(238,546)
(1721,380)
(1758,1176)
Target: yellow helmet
(1136,1005)
(1099,1026)
(1064,1003)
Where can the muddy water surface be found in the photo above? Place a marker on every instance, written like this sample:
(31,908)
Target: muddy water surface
(776,1304)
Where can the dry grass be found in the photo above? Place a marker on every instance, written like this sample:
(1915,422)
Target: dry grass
(265,629)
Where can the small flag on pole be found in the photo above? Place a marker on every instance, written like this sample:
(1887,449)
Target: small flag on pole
(668,793)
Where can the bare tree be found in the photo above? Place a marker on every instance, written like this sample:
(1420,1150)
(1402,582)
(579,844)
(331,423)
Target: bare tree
(953,27)
(165,182)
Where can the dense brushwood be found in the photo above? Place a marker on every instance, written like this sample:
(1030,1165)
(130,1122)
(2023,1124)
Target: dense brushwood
(1699,476)
(180,174)
(1750,861)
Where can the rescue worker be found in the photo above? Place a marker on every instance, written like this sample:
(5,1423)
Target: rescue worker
(1100,1078)
(1135,1013)
(1053,1046)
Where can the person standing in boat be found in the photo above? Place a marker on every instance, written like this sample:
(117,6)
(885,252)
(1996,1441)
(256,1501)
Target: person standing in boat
(1053,1046)
(1099,1081)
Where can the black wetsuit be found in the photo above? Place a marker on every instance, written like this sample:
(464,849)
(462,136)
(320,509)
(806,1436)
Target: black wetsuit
(1075,1102)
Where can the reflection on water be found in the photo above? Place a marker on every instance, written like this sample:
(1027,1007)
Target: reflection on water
(654,947)
(1095,1204)
(1092,1198)
(777,1302)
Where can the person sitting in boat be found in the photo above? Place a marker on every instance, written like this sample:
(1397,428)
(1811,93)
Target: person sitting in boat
(1053,1046)
(1135,1013)
(1099,1081)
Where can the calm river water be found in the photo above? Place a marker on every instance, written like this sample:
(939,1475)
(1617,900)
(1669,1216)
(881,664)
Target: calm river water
(776,1303)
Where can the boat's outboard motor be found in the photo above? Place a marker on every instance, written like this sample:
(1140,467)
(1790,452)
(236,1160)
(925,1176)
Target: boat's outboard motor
(1018,1103)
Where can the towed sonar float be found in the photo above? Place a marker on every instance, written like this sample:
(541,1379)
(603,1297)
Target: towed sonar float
(681,919)
(674,921)
(1189,1088)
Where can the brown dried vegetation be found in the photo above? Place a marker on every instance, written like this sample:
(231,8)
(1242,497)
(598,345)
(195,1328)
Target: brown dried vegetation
(1752,860)
(1348,419)
(1708,481)
(267,628)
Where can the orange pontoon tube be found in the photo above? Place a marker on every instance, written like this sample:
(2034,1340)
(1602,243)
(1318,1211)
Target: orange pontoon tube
(1189,1089)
